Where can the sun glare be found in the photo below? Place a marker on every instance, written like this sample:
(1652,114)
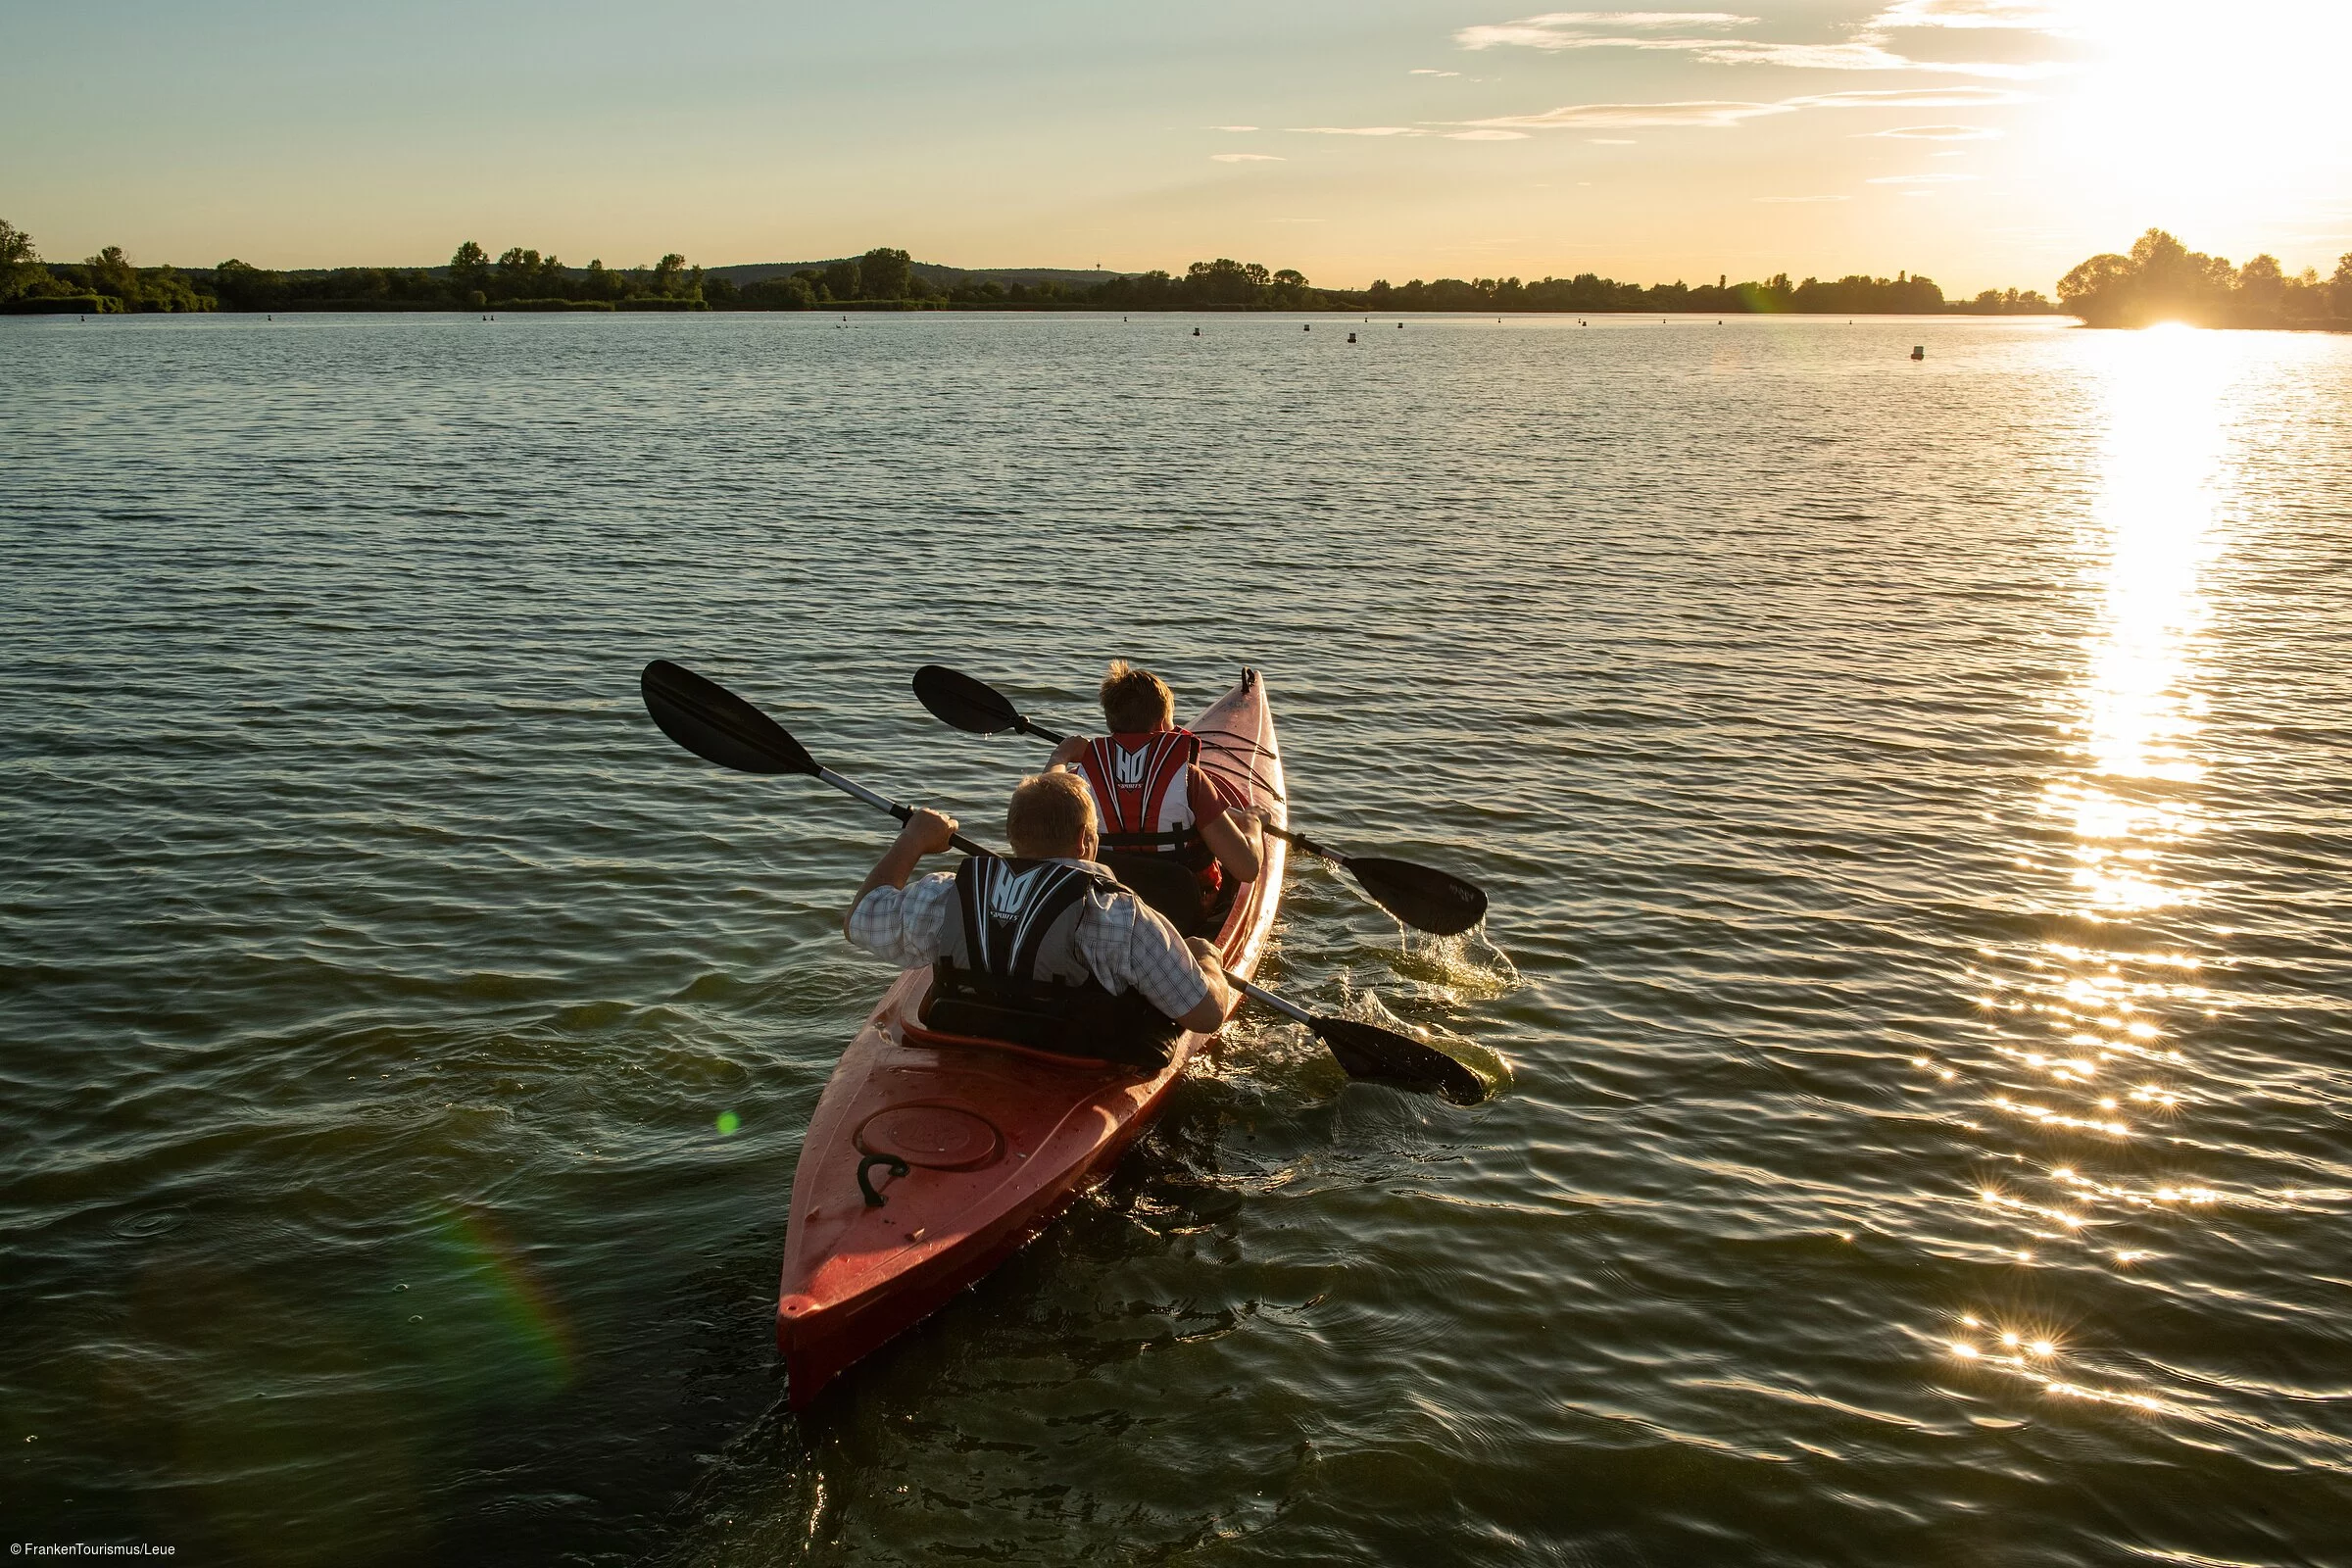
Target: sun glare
(2207,115)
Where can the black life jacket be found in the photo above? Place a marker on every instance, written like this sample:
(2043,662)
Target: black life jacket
(1013,970)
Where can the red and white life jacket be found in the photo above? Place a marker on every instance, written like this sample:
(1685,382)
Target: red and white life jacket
(1142,786)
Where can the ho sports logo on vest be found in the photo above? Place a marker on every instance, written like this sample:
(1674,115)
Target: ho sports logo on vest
(1009,893)
(1129,768)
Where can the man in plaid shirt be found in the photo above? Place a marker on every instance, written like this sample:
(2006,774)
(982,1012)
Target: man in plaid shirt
(1117,940)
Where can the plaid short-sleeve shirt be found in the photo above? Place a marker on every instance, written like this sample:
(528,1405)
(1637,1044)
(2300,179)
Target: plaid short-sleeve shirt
(1126,944)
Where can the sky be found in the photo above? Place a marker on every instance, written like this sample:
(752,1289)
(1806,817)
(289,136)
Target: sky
(1986,144)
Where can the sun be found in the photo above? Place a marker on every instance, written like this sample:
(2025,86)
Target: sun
(2210,119)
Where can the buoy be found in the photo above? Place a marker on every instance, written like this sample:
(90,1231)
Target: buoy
(1195,331)
(1352,337)
(1399,327)
(1309,327)
(1919,351)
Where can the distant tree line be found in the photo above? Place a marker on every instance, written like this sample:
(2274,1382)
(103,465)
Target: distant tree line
(525,280)
(2159,280)
(2164,280)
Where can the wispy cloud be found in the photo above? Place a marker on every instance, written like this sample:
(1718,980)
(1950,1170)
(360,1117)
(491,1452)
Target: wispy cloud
(1919,179)
(1358,131)
(1935,133)
(1229,127)
(1573,29)
(1575,115)
(1799,200)
(1486,135)
(1911,98)
(1867,50)
(1610,141)
(1426,71)
(2039,15)
(1720,114)
(1245,158)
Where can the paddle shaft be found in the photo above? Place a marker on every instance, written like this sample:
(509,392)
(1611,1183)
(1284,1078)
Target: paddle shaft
(884,803)
(1280,1004)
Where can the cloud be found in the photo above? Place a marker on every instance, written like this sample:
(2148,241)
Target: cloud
(1610,141)
(1720,114)
(1569,29)
(1425,71)
(1866,50)
(1911,98)
(1245,158)
(1801,199)
(2036,14)
(1486,135)
(1357,130)
(1616,115)
(1919,179)
(1935,133)
(1229,127)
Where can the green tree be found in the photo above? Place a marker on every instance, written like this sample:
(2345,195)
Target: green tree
(111,272)
(469,272)
(844,280)
(2262,289)
(885,274)
(1225,281)
(779,294)
(20,264)
(2160,281)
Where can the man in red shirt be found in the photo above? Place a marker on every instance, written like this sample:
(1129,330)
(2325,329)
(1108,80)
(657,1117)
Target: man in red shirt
(1153,799)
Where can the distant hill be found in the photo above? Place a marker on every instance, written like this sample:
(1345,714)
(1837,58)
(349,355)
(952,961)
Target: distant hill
(929,271)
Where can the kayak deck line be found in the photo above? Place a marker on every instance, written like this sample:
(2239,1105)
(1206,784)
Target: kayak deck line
(930,1158)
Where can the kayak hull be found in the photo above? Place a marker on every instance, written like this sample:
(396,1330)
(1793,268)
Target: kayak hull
(972,1148)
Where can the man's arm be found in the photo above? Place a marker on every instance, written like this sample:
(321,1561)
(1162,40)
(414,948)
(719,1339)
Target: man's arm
(925,833)
(1066,753)
(1210,1017)
(1235,837)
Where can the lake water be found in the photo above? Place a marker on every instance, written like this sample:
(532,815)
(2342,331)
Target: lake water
(1915,799)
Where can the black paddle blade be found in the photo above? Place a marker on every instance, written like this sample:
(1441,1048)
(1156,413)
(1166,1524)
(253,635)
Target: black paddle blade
(718,726)
(1380,1055)
(956,700)
(1426,899)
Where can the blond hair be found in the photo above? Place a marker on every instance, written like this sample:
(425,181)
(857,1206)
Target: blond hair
(1048,816)
(1136,699)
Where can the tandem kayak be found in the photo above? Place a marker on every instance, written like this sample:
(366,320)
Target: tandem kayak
(973,1147)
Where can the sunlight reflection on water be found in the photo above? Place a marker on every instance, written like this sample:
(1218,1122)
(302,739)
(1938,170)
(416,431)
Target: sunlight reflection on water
(2127,801)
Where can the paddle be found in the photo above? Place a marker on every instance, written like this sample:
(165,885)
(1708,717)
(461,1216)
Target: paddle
(718,726)
(1380,1055)
(1420,896)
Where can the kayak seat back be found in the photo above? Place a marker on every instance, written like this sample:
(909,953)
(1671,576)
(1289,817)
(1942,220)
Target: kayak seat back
(1162,882)
(1090,1025)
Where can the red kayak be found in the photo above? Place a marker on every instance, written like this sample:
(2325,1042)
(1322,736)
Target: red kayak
(973,1147)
